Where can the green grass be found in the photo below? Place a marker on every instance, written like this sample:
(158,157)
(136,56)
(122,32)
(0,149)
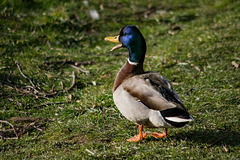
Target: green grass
(83,122)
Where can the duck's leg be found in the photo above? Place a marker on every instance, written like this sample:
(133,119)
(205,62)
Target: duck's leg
(138,137)
(160,135)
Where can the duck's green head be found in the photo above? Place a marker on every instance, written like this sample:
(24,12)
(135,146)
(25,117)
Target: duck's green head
(130,37)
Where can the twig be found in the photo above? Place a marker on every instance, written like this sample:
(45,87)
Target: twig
(19,89)
(35,91)
(9,77)
(45,104)
(92,153)
(37,128)
(50,94)
(215,142)
(53,88)
(18,103)
(61,85)
(33,125)
(7,83)
(20,70)
(1,121)
(2,137)
(73,81)
(83,63)
(68,62)
(80,69)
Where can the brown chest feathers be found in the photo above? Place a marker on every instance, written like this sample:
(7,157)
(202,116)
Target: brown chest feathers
(128,70)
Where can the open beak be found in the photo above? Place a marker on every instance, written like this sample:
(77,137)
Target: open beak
(114,40)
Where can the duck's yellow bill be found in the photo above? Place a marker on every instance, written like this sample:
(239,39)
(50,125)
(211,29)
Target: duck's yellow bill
(112,39)
(115,40)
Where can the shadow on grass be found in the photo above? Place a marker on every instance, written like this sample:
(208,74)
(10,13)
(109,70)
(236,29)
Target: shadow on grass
(211,137)
(207,137)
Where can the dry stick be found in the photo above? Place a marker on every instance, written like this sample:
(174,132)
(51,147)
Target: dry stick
(18,103)
(212,144)
(8,78)
(37,128)
(53,88)
(80,69)
(20,70)
(50,94)
(73,81)
(45,104)
(7,83)
(33,125)
(33,85)
(68,62)
(32,88)
(83,63)
(19,88)
(1,121)
(61,85)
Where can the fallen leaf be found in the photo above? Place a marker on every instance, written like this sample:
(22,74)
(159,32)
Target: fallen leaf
(175,83)
(94,83)
(197,68)
(70,96)
(94,14)
(225,148)
(235,65)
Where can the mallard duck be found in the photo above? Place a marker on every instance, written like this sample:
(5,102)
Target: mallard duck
(145,98)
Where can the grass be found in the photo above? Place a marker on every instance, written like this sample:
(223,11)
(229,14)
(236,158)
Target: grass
(194,44)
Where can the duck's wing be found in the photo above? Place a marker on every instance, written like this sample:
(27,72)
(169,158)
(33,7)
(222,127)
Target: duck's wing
(154,91)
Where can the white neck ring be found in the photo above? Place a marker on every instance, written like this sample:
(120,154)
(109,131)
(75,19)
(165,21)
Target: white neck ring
(132,63)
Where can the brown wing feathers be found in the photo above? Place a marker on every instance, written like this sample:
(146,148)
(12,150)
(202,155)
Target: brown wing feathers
(154,91)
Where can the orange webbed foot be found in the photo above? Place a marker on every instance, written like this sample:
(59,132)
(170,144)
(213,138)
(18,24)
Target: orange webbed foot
(159,135)
(137,138)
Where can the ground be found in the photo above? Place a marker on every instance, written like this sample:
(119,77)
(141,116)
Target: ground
(56,77)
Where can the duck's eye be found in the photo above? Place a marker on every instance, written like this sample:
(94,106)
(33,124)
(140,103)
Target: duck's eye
(124,34)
